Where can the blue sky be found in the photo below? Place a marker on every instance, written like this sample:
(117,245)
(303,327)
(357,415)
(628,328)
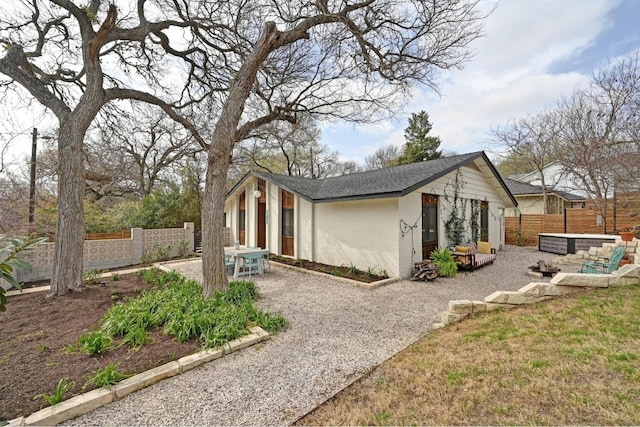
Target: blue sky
(533,52)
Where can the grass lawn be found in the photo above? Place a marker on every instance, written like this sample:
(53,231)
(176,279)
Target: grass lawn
(571,360)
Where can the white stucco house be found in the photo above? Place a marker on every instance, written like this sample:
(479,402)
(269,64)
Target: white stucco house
(531,199)
(384,219)
(556,177)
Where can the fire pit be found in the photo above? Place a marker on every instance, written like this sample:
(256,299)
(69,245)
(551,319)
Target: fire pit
(544,269)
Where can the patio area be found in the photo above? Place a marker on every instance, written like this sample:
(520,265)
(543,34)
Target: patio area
(326,345)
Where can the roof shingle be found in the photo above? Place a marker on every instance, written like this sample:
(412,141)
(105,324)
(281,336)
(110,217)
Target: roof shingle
(388,182)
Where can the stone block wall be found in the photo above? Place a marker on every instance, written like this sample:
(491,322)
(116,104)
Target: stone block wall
(561,283)
(632,253)
(107,254)
(169,238)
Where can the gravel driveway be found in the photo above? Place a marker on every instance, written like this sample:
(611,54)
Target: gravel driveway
(336,332)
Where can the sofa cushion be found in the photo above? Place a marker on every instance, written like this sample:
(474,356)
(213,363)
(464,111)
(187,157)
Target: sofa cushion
(463,249)
(484,247)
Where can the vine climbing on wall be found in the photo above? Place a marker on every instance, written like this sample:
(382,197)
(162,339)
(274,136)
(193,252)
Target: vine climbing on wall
(454,226)
(475,220)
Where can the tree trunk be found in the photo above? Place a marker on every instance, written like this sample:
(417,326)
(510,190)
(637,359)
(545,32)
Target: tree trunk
(214,271)
(68,262)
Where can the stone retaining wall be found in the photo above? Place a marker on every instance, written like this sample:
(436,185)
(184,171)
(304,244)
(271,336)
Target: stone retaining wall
(561,283)
(632,253)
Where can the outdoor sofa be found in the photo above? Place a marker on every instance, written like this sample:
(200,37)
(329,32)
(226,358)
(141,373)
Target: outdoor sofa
(476,255)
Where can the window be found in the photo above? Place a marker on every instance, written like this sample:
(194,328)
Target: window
(242,218)
(484,221)
(287,223)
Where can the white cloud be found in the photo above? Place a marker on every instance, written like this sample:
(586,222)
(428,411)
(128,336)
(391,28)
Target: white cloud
(513,73)
(524,36)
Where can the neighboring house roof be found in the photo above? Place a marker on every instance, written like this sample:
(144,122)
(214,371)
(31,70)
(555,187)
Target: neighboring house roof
(394,181)
(533,175)
(570,196)
(518,188)
(517,176)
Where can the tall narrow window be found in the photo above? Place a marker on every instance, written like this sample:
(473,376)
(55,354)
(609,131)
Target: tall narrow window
(287,223)
(242,218)
(484,221)
(262,214)
(429,224)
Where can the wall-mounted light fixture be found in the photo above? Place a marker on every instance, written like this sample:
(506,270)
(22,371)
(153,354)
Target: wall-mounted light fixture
(257,194)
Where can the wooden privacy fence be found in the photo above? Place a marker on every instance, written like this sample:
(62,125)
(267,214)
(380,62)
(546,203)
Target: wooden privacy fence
(524,229)
(123,234)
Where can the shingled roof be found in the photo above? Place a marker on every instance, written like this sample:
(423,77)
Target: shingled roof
(394,181)
(518,188)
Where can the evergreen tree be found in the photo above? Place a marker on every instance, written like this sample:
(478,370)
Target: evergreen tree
(419,145)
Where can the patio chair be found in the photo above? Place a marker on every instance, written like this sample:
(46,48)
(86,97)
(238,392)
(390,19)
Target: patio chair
(253,262)
(230,263)
(267,256)
(604,265)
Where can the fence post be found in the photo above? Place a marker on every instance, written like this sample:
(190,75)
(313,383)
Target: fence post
(565,220)
(519,223)
(137,245)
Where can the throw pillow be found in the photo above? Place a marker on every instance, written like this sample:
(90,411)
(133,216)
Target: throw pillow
(484,247)
(463,249)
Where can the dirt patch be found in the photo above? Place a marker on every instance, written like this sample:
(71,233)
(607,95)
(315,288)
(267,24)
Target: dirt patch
(36,333)
(342,271)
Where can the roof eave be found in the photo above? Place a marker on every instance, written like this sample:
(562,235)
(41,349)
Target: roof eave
(359,197)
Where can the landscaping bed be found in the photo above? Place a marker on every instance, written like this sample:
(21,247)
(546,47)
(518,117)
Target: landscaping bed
(40,339)
(349,272)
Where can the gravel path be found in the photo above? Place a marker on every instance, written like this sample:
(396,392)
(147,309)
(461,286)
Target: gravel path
(336,332)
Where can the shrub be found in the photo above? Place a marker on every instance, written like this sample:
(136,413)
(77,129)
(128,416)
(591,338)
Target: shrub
(91,277)
(9,261)
(443,258)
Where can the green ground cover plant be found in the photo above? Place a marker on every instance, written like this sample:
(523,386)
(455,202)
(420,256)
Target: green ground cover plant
(107,376)
(63,386)
(177,306)
(573,360)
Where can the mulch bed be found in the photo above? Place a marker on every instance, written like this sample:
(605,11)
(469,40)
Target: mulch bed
(332,270)
(36,333)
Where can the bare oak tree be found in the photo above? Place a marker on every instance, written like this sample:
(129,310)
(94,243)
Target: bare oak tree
(291,149)
(138,147)
(383,157)
(598,128)
(349,60)
(250,62)
(531,141)
(73,63)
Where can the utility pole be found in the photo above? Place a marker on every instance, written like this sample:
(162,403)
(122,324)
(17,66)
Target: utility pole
(32,183)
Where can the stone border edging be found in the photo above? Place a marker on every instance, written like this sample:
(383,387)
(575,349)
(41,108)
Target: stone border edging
(560,284)
(364,285)
(87,402)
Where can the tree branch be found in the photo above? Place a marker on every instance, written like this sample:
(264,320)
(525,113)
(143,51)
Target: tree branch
(118,93)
